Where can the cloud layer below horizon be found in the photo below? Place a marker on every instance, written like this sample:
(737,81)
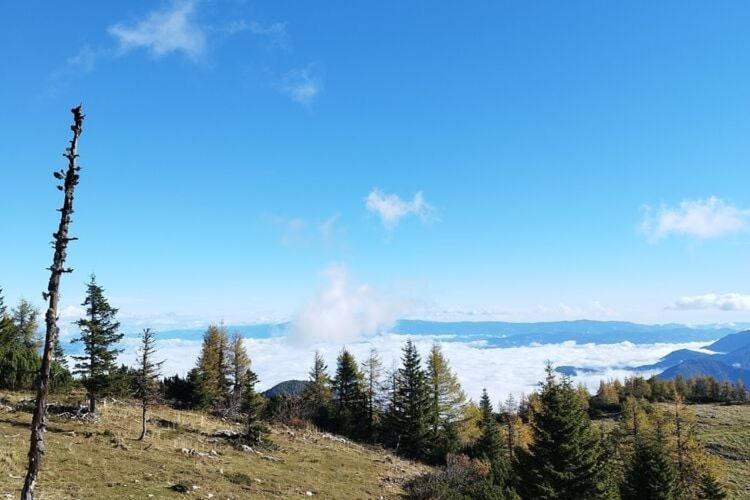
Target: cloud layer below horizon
(501,370)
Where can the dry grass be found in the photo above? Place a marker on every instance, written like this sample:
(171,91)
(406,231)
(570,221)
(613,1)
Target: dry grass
(725,430)
(103,460)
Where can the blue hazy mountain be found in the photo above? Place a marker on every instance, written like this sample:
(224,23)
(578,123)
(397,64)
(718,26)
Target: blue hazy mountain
(572,371)
(731,342)
(739,358)
(707,368)
(674,358)
(505,334)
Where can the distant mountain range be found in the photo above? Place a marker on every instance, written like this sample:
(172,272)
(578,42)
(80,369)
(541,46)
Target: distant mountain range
(707,368)
(506,334)
(731,361)
(727,359)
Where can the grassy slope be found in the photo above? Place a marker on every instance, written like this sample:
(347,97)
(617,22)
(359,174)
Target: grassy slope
(725,430)
(104,461)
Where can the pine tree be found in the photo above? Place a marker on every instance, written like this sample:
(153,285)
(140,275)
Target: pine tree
(349,401)
(256,429)
(491,447)
(316,396)
(563,458)
(710,489)
(240,366)
(650,473)
(149,372)
(25,319)
(5,322)
(610,466)
(99,334)
(512,420)
(408,413)
(372,369)
(215,369)
(447,400)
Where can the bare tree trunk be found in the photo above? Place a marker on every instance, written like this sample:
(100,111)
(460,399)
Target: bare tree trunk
(61,239)
(143,424)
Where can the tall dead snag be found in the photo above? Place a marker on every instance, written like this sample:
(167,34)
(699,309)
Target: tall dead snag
(52,295)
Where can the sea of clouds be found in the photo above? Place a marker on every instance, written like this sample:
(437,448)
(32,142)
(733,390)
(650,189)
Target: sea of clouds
(344,313)
(502,371)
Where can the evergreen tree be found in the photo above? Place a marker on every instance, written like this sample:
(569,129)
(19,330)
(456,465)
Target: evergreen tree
(148,376)
(240,367)
(256,429)
(490,446)
(215,368)
(58,355)
(99,334)
(18,366)
(512,421)
(408,412)
(610,465)
(316,396)
(5,321)
(349,401)
(25,319)
(198,397)
(447,401)
(60,376)
(562,461)
(372,369)
(650,473)
(711,489)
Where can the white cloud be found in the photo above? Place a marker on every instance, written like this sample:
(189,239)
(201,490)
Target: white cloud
(302,85)
(501,370)
(84,60)
(275,33)
(300,232)
(162,32)
(343,311)
(718,301)
(391,209)
(703,219)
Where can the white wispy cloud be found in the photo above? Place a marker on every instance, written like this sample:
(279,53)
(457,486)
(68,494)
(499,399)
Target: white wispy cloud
(276,33)
(164,31)
(301,232)
(302,85)
(716,301)
(391,208)
(703,218)
(343,311)
(84,60)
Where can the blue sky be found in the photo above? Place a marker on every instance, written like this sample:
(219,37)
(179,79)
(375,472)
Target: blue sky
(254,161)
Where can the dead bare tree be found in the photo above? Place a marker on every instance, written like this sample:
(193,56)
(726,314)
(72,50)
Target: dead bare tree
(52,295)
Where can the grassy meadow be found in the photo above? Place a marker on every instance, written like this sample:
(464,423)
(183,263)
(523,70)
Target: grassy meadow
(104,460)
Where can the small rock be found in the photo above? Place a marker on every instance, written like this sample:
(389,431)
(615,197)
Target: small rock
(309,493)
